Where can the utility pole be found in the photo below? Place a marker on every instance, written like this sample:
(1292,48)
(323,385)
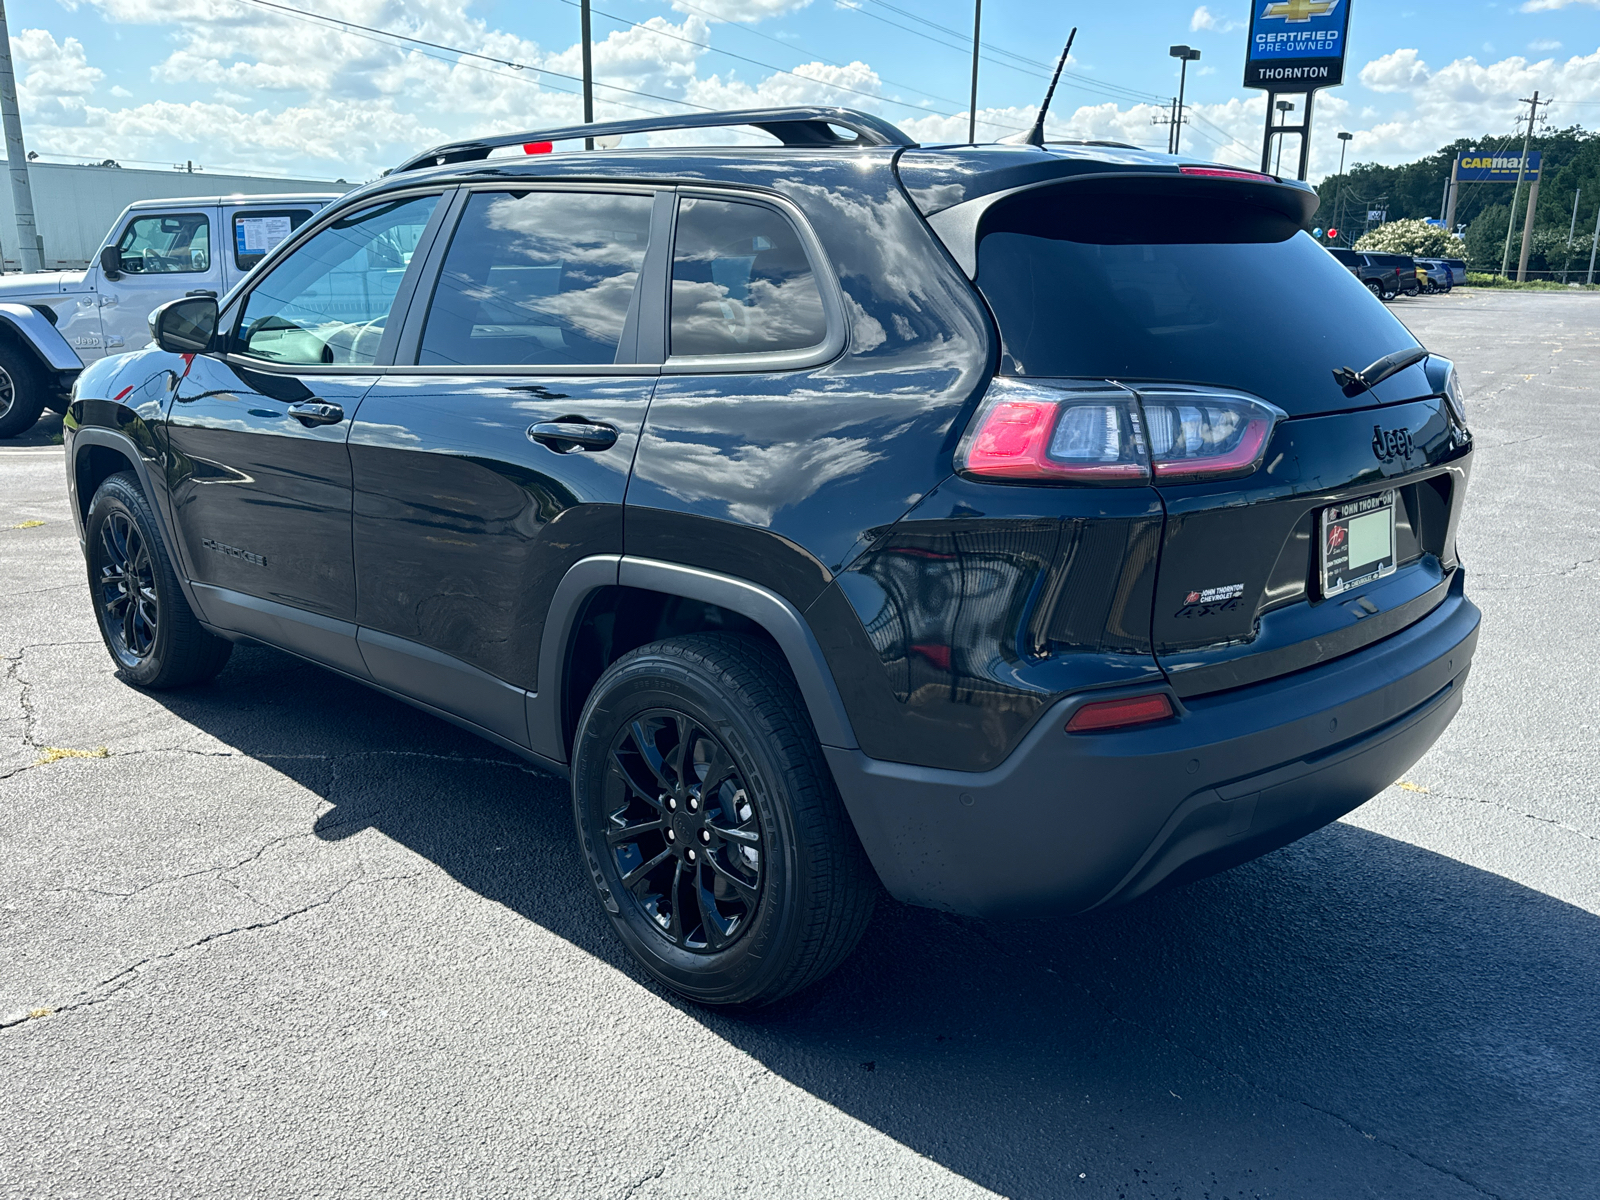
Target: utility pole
(1522,170)
(1571,230)
(588,71)
(977,33)
(1185,55)
(1594,245)
(30,254)
(1344,144)
(1454,193)
(1285,107)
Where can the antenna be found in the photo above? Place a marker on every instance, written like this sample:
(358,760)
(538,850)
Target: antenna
(1036,135)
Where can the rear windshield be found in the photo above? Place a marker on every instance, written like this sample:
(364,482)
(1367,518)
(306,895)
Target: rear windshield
(1085,282)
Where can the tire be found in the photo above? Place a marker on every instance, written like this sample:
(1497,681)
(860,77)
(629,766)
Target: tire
(1388,295)
(21,392)
(1376,289)
(756,893)
(147,625)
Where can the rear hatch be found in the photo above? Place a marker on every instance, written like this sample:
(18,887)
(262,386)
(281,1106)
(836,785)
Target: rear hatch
(1306,515)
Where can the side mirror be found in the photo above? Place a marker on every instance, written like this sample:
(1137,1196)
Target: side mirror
(186,326)
(111,262)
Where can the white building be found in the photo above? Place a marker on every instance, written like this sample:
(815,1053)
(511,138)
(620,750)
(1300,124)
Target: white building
(74,206)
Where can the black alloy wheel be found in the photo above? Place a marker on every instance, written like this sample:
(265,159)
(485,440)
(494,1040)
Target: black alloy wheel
(129,605)
(710,824)
(151,632)
(683,830)
(1376,289)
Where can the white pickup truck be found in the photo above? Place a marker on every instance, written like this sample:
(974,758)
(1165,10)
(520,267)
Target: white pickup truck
(55,323)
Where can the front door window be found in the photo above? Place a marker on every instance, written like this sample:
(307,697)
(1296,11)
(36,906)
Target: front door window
(169,244)
(328,302)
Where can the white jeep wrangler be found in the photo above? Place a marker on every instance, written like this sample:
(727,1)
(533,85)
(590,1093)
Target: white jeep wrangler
(55,323)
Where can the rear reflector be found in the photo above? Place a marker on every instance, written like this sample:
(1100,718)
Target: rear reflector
(1120,714)
(1225,173)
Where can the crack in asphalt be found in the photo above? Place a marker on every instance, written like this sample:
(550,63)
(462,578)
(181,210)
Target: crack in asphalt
(1501,804)
(220,871)
(1218,1067)
(112,985)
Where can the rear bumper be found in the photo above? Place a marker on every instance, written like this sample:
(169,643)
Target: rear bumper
(1069,823)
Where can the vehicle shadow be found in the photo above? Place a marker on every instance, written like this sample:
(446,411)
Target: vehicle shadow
(1350,1016)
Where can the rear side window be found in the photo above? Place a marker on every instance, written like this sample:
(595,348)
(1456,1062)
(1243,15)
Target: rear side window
(1091,281)
(169,244)
(256,231)
(741,282)
(327,301)
(538,278)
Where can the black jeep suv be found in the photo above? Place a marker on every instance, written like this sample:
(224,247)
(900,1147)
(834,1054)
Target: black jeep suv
(1019,528)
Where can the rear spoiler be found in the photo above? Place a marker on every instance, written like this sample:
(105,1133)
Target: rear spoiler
(961,227)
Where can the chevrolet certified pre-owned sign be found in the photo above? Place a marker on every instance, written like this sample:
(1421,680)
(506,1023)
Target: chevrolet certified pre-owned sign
(1297,45)
(1482,166)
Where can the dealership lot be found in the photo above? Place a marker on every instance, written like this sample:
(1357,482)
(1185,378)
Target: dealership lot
(281,936)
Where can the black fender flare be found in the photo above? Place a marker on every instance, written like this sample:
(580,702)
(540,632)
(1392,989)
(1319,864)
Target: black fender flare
(91,435)
(766,608)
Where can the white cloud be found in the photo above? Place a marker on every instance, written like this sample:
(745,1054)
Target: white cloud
(58,74)
(1205,19)
(749,11)
(1398,71)
(1552,5)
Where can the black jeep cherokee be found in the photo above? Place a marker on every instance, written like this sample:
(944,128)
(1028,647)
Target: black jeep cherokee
(1025,528)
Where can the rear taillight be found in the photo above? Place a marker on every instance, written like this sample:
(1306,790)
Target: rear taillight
(1227,173)
(1034,431)
(1206,435)
(1103,715)
(1099,433)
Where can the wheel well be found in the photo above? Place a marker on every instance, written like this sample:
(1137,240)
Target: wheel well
(616,620)
(14,341)
(92,467)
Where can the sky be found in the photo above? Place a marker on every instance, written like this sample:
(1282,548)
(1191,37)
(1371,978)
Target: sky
(259,86)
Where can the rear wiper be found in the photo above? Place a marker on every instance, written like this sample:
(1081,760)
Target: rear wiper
(1356,382)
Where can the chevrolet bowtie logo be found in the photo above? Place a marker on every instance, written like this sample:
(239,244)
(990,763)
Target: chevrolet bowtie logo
(1301,10)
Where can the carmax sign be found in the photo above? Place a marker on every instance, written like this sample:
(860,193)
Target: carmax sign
(1475,166)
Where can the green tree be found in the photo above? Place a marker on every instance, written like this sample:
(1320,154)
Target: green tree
(1415,237)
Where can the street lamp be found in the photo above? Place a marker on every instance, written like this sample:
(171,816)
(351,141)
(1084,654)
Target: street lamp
(1186,55)
(1285,107)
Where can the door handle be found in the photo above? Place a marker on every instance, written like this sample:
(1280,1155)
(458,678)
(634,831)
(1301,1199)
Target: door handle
(566,436)
(316,412)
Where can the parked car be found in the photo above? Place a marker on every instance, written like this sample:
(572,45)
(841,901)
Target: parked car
(52,323)
(1400,271)
(1437,275)
(837,513)
(1458,270)
(1380,281)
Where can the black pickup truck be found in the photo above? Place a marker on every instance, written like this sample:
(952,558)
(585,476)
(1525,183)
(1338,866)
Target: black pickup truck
(1385,275)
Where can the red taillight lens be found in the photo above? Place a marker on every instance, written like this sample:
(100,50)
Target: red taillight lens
(1120,714)
(1035,431)
(1092,432)
(1225,173)
(1206,435)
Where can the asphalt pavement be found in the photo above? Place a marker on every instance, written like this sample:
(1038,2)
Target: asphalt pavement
(281,936)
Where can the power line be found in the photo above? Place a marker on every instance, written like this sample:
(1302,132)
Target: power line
(371,33)
(766,66)
(802,50)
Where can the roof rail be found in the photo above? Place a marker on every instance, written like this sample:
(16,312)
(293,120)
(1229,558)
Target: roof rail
(791,126)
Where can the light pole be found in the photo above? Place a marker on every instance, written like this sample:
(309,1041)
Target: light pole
(588,70)
(1285,107)
(1338,207)
(1185,55)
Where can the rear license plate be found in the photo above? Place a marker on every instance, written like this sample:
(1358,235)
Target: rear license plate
(1357,543)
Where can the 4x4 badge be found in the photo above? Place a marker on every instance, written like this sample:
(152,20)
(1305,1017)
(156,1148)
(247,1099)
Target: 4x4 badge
(1390,444)
(1211,600)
